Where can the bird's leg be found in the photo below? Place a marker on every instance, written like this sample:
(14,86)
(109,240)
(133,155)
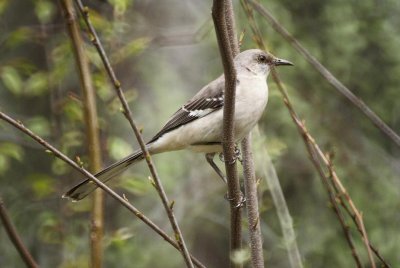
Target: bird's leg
(210,160)
(237,156)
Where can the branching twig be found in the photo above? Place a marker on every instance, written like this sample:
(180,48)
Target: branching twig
(86,173)
(15,238)
(375,119)
(92,130)
(226,51)
(353,217)
(128,114)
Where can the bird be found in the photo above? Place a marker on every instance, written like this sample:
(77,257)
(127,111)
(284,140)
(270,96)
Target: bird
(198,124)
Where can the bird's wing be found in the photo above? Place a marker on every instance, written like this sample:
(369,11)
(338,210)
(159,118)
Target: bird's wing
(209,99)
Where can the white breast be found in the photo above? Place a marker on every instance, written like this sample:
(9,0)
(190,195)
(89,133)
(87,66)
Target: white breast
(251,100)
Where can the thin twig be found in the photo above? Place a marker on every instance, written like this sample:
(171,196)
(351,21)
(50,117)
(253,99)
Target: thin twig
(234,193)
(253,215)
(15,238)
(103,186)
(128,114)
(352,216)
(92,131)
(333,201)
(371,115)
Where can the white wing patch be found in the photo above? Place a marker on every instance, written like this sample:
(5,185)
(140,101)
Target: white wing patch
(200,113)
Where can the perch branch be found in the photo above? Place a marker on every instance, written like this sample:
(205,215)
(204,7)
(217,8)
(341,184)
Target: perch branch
(234,194)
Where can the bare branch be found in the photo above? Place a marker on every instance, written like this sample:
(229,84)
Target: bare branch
(128,114)
(103,186)
(234,193)
(250,186)
(15,238)
(92,130)
(375,119)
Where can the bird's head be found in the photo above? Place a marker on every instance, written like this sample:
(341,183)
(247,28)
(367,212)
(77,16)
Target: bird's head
(258,62)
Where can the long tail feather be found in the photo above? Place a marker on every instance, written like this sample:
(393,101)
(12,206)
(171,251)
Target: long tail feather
(84,188)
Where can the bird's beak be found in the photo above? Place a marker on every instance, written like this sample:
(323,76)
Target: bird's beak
(277,62)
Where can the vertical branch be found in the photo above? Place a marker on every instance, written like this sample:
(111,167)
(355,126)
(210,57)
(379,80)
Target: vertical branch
(228,141)
(15,238)
(285,220)
(253,216)
(92,131)
(128,114)
(271,177)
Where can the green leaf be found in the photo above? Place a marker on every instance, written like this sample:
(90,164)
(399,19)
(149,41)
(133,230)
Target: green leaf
(36,85)
(4,164)
(3,5)
(11,150)
(73,111)
(131,49)
(49,230)
(42,185)
(118,148)
(44,10)
(18,37)
(12,80)
(120,6)
(136,185)
(39,125)
(59,167)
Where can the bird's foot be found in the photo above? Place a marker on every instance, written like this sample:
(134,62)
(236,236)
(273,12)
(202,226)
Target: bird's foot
(240,203)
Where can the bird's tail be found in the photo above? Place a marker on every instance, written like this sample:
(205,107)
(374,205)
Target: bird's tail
(84,188)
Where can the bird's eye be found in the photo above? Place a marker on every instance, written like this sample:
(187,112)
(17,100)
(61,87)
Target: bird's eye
(262,59)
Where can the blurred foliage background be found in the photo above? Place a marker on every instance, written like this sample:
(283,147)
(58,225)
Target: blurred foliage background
(163,52)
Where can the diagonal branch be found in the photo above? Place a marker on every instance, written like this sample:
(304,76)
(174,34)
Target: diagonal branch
(368,112)
(15,238)
(18,125)
(227,49)
(128,114)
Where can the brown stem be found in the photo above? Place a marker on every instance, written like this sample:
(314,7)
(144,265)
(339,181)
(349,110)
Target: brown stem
(253,215)
(353,217)
(128,114)
(15,238)
(375,119)
(234,193)
(123,201)
(92,130)
(334,203)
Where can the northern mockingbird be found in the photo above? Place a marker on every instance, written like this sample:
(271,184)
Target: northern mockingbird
(197,125)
